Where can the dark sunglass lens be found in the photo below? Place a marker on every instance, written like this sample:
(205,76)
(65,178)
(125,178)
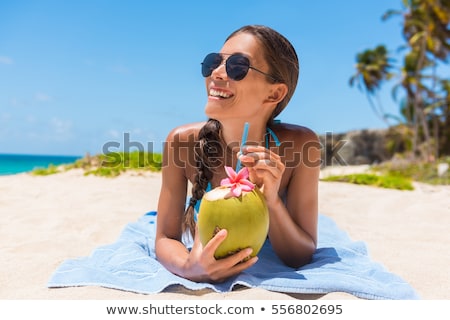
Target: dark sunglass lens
(211,62)
(237,67)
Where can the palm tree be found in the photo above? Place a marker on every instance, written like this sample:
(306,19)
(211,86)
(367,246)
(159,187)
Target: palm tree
(427,35)
(443,113)
(425,29)
(372,69)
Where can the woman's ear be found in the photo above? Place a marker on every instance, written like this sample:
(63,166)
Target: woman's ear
(277,93)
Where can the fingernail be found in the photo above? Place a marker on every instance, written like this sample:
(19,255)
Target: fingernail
(245,158)
(221,232)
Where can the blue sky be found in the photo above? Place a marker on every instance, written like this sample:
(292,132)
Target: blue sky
(75,75)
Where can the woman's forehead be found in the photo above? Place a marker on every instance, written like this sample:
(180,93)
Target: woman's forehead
(243,43)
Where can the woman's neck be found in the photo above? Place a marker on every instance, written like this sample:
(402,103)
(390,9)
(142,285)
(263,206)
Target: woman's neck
(232,133)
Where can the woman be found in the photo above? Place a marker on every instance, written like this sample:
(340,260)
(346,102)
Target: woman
(251,80)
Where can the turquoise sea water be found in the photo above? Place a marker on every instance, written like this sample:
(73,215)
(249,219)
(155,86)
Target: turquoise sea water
(18,163)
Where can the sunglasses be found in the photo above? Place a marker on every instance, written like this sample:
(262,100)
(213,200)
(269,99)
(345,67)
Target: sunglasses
(237,66)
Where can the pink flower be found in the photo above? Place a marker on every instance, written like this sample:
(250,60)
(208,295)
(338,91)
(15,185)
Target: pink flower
(238,182)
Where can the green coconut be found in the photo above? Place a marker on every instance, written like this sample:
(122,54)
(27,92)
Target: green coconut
(246,219)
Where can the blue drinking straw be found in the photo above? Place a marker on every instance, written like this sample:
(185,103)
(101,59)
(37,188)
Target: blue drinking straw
(243,142)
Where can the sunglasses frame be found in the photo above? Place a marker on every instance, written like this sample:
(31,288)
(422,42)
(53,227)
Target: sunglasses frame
(229,67)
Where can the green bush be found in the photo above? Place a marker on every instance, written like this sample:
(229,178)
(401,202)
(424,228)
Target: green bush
(51,169)
(426,172)
(388,181)
(111,164)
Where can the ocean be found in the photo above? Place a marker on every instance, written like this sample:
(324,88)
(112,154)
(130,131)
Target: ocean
(18,163)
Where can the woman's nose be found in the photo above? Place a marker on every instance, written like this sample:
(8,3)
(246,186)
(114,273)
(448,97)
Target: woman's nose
(220,72)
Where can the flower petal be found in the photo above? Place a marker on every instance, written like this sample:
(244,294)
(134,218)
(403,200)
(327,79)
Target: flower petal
(231,173)
(248,184)
(242,174)
(226,182)
(237,182)
(236,189)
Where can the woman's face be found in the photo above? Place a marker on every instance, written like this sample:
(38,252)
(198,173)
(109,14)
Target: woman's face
(228,99)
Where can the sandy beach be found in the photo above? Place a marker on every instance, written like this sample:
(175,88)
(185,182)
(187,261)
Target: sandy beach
(46,220)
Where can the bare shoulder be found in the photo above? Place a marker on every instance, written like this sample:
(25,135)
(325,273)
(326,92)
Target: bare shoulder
(300,135)
(179,155)
(300,150)
(185,132)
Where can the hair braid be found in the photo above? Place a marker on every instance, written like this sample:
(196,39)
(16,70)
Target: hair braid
(208,152)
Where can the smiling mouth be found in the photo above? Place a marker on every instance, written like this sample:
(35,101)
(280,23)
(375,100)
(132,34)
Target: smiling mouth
(219,94)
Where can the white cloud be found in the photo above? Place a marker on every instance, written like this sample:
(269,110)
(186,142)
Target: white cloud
(89,62)
(60,130)
(14,102)
(120,69)
(30,119)
(114,134)
(137,131)
(42,97)
(5,117)
(61,127)
(6,60)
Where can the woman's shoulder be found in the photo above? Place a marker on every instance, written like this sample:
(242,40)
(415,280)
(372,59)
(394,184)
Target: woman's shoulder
(294,132)
(185,131)
(300,146)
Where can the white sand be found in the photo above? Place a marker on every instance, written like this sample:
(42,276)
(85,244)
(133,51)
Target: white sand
(46,220)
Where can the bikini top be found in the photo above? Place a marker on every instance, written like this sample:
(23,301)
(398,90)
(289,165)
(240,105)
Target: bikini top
(269,134)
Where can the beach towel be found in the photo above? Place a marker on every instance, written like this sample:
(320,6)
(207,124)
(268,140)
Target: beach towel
(338,265)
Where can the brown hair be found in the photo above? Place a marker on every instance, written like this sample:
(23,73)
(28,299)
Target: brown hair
(283,65)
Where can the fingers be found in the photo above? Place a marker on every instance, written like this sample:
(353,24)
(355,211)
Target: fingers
(240,266)
(256,155)
(211,247)
(215,242)
(260,158)
(221,269)
(233,265)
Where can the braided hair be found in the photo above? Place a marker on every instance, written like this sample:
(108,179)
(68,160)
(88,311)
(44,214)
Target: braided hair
(208,152)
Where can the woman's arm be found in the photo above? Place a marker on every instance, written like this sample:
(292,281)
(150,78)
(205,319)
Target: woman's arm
(293,222)
(172,200)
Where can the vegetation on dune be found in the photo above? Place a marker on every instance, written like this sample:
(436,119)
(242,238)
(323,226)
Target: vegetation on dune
(371,179)
(436,173)
(51,169)
(399,173)
(111,164)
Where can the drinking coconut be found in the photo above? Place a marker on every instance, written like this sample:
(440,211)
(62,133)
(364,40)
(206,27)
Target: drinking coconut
(238,206)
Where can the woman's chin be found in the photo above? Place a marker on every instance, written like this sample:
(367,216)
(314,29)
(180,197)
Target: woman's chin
(213,109)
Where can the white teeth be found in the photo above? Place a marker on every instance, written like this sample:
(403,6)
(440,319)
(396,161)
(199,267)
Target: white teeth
(217,93)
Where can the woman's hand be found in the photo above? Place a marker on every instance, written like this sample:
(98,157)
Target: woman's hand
(203,267)
(265,170)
